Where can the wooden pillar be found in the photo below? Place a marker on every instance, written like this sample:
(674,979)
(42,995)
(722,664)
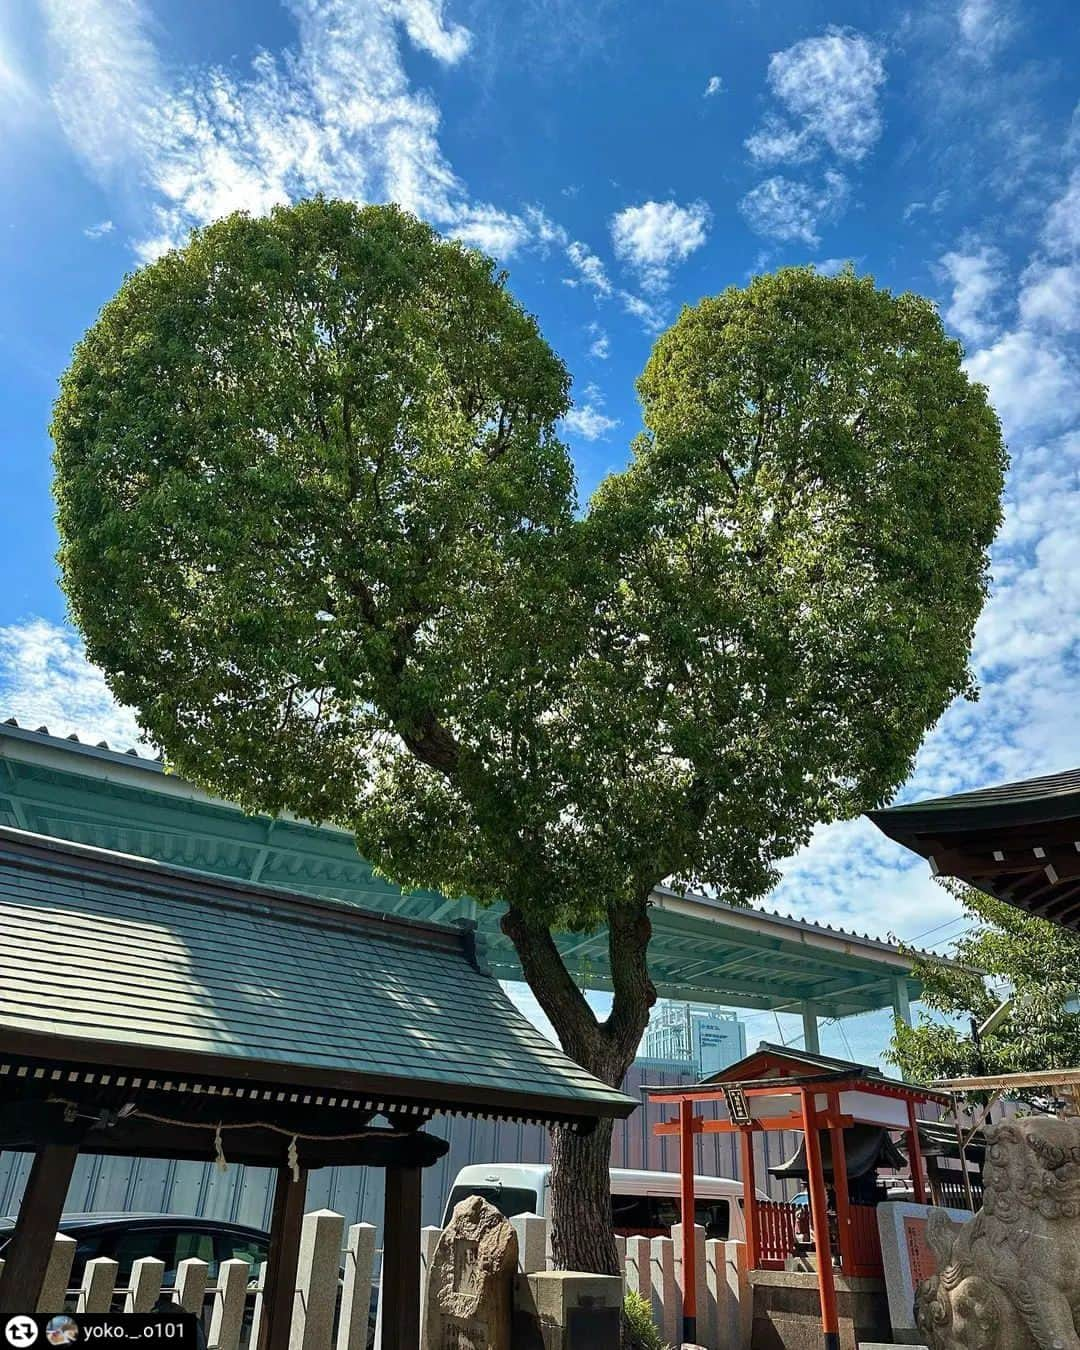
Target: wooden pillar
(27,1256)
(840,1187)
(688,1213)
(279,1286)
(401,1259)
(819,1211)
(915,1155)
(750,1210)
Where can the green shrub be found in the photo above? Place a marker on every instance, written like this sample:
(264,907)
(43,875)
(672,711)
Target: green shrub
(641,1333)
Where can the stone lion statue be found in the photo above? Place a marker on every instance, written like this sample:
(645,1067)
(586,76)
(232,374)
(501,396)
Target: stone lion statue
(1010,1279)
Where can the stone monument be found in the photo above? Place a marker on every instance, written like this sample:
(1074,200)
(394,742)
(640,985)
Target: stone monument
(1010,1279)
(907,1259)
(471,1281)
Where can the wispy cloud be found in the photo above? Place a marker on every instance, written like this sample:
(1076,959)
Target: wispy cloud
(334,113)
(586,419)
(715,86)
(600,342)
(1025,652)
(1035,386)
(18,96)
(45,679)
(655,236)
(785,208)
(829,89)
(1050,297)
(589,269)
(97,231)
(977,275)
(1061,233)
(985,25)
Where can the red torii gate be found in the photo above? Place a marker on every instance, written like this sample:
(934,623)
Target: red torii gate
(776,1088)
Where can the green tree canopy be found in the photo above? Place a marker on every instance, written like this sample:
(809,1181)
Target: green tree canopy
(1006,954)
(319,530)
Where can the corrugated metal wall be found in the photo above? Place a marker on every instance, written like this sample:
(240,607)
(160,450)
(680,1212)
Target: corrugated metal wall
(244,1194)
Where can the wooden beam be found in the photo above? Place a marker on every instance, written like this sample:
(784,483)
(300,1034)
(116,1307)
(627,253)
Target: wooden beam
(794,1121)
(259,1148)
(915,1161)
(840,1189)
(819,1211)
(279,1294)
(27,1255)
(400,1287)
(688,1216)
(750,1209)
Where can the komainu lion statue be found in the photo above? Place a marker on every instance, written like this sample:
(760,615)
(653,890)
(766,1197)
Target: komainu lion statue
(1010,1279)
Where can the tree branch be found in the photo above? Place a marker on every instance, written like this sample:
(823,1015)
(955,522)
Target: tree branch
(547,976)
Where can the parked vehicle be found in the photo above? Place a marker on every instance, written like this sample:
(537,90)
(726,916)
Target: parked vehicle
(171,1238)
(643,1204)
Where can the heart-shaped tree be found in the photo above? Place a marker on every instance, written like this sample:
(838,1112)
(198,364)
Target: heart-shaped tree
(320,532)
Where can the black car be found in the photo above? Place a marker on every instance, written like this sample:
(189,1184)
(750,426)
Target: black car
(172,1238)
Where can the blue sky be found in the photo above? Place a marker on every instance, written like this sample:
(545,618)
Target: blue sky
(620,159)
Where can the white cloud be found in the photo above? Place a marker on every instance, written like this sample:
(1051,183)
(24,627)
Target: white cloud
(1025,653)
(17,94)
(490,230)
(106,80)
(590,270)
(586,418)
(976,277)
(45,679)
(654,236)
(103,227)
(985,25)
(1050,296)
(652,318)
(335,113)
(1061,233)
(829,85)
(600,346)
(787,209)
(777,141)
(1033,385)
(931,207)
(715,86)
(831,267)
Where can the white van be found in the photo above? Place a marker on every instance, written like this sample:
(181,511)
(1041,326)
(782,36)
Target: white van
(643,1204)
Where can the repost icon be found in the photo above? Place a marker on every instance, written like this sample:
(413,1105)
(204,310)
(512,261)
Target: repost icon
(21,1332)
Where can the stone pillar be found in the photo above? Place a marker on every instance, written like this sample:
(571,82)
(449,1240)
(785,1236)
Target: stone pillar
(317,1280)
(638,1267)
(665,1299)
(532,1240)
(565,1310)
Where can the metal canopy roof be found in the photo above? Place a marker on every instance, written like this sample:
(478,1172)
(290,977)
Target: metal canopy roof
(1019,842)
(702,950)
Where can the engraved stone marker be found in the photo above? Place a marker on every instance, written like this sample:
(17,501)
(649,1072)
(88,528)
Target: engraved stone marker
(470,1285)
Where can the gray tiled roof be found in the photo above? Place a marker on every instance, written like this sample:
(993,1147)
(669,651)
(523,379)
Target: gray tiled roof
(1065,784)
(133,958)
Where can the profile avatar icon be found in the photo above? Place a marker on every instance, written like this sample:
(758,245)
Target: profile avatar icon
(61,1330)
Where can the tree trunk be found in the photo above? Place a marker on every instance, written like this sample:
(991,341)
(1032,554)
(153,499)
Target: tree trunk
(580,1192)
(581,1229)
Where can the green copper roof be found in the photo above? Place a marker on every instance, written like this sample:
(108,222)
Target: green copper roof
(701,950)
(129,963)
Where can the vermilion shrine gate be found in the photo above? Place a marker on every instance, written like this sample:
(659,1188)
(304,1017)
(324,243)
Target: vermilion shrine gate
(780,1089)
